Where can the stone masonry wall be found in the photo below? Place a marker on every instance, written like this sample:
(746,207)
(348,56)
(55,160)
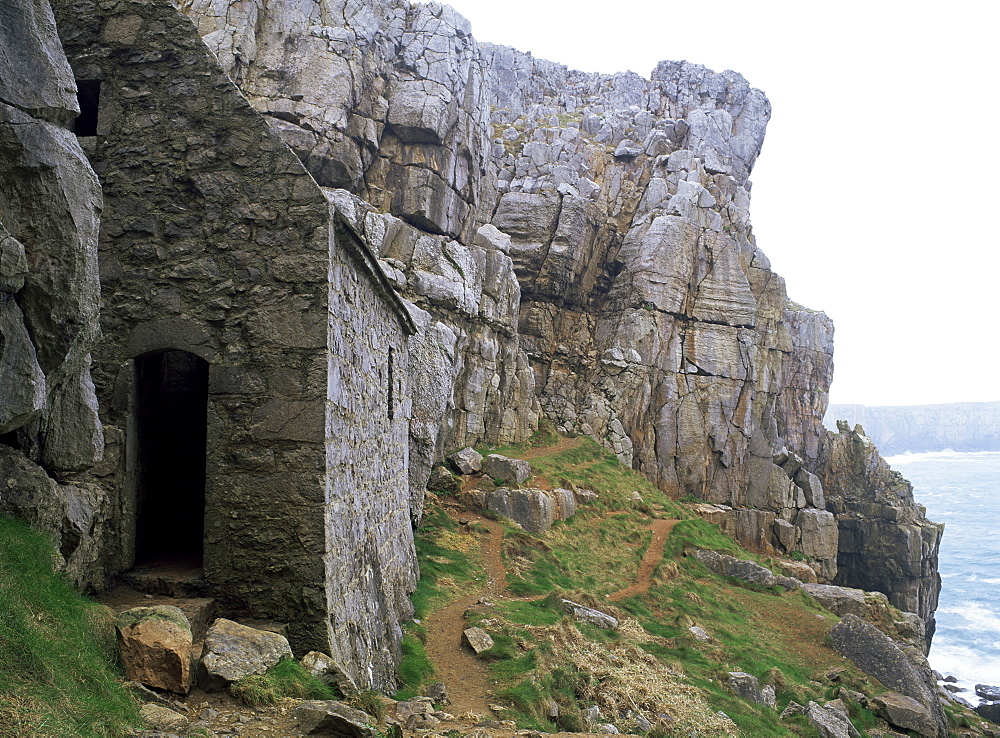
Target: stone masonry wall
(216,241)
(369,548)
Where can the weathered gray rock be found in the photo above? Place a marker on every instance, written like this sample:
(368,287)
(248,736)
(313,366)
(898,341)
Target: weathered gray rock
(155,647)
(838,600)
(466,461)
(22,382)
(793,708)
(535,510)
(880,522)
(590,615)
(234,651)
(329,717)
(906,713)
(477,639)
(163,719)
(505,469)
(878,656)
(746,570)
(442,480)
(747,687)
(76,516)
(329,671)
(830,723)
(988,692)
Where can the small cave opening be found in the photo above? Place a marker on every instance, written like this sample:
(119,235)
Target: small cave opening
(172,430)
(88,95)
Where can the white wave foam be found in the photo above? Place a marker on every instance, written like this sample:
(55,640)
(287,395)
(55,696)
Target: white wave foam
(946,455)
(991,580)
(976,616)
(969,665)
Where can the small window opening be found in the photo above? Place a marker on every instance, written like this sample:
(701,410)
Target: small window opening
(390,385)
(88,94)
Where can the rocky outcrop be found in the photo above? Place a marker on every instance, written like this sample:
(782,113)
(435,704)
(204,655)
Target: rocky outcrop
(50,202)
(959,426)
(643,312)
(904,670)
(886,543)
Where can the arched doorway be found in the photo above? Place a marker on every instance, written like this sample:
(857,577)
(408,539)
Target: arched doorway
(171,423)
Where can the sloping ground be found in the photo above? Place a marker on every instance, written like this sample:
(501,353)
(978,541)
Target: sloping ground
(56,656)
(630,558)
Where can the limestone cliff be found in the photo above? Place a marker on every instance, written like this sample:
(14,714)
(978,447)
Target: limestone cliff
(959,426)
(647,313)
(559,243)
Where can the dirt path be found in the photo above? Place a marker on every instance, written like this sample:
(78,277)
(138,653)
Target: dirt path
(654,554)
(465,676)
(565,442)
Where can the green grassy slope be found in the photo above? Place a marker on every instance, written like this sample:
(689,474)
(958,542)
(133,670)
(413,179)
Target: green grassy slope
(56,649)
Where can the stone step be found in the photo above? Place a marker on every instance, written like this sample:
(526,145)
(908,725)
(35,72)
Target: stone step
(200,611)
(171,579)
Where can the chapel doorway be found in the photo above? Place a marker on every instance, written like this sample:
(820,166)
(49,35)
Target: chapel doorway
(172,424)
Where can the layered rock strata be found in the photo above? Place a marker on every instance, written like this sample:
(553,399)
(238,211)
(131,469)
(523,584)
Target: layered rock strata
(647,313)
(959,426)
(572,244)
(886,543)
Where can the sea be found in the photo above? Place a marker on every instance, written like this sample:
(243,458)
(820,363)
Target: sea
(962,490)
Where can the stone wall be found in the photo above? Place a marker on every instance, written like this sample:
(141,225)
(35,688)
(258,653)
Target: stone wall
(369,555)
(216,241)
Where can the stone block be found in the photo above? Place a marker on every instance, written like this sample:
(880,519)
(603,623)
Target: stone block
(155,647)
(505,469)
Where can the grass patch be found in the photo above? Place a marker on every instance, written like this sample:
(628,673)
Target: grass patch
(449,561)
(415,668)
(287,678)
(58,675)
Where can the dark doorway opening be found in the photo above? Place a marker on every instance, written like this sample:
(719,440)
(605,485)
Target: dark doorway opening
(172,420)
(88,95)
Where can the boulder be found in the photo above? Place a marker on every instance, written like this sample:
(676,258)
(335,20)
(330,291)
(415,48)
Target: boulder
(442,480)
(584,495)
(590,615)
(477,639)
(988,692)
(155,646)
(437,692)
(329,717)
(505,469)
(988,710)
(329,671)
(234,651)
(748,571)
(830,723)
(532,509)
(163,719)
(838,600)
(747,687)
(878,656)
(799,570)
(466,461)
(905,712)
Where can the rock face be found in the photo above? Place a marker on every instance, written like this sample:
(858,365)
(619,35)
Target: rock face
(886,543)
(351,239)
(960,426)
(905,672)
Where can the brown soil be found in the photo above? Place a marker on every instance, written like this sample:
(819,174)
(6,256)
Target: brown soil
(465,676)
(564,443)
(654,554)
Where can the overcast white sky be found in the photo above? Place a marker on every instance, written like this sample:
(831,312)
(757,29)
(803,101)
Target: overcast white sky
(876,195)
